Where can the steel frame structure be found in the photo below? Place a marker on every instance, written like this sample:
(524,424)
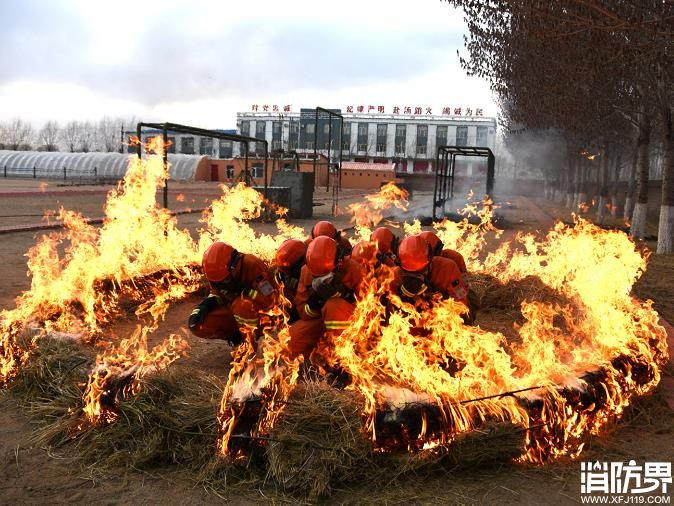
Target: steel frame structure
(445,163)
(337,183)
(174,127)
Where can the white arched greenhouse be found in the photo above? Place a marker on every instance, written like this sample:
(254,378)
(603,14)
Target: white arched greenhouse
(87,166)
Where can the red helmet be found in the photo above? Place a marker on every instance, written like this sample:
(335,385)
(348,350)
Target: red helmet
(385,240)
(324,228)
(364,252)
(219,261)
(322,256)
(290,252)
(433,241)
(414,253)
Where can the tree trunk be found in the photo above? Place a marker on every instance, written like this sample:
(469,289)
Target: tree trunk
(629,196)
(602,203)
(666,222)
(615,180)
(638,229)
(570,182)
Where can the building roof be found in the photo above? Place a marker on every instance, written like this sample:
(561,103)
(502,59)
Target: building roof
(107,165)
(382,167)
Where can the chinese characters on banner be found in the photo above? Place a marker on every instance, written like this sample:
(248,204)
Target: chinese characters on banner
(381,109)
(271,108)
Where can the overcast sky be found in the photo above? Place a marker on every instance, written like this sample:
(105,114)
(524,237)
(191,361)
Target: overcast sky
(200,62)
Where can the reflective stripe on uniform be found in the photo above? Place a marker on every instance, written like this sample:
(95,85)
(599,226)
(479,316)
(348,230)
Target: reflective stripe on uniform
(336,324)
(249,322)
(196,311)
(252,293)
(310,312)
(407,293)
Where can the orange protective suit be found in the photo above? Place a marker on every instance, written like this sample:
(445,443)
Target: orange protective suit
(252,290)
(329,319)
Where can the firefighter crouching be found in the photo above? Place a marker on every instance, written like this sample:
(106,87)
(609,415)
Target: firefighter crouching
(290,258)
(325,295)
(242,287)
(327,229)
(439,250)
(421,273)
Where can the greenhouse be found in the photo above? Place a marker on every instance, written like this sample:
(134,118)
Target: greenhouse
(86,166)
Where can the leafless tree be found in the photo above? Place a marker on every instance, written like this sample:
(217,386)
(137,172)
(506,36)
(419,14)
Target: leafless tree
(17,134)
(49,135)
(108,134)
(71,135)
(87,137)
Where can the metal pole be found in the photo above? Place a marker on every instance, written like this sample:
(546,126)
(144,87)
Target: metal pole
(121,138)
(35,171)
(435,186)
(96,174)
(315,142)
(5,170)
(327,184)
(165,162)
(139,148)
(246,177)
(266,161)
(64,173)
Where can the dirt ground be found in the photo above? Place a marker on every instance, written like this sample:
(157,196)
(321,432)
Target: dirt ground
(31,475)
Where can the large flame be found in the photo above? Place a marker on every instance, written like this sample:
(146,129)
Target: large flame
(573,367)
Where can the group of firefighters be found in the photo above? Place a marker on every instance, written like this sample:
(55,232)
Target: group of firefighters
(321,277)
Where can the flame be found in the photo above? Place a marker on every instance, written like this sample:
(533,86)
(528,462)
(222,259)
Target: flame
(370,212)
(123,366)
(574,366)
(588,155)
(83,277)
(180,198)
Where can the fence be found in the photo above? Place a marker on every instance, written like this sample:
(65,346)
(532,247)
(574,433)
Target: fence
(64,174)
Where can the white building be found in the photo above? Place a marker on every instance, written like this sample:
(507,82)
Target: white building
(410,141)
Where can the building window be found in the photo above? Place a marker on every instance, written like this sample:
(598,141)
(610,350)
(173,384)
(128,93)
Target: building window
(257,171)
(187,145)
(226,149)
(230,172)
(311,129)
(294,135)
(400,139)
(362,136)
(422,139)
(326,128)
(245,128)
(381,138)
(276,129)
(171,148)
(310,145)
(462,136)
(346,137)
(481,136)
(205,145)
(441,136)
(260,132)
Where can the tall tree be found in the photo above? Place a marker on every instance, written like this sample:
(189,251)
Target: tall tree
(49,135)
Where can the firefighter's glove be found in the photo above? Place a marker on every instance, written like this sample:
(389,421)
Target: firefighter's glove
(201,311)
(327,287)
(413,284)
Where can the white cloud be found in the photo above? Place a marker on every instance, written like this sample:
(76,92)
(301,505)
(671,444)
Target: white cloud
(201,62)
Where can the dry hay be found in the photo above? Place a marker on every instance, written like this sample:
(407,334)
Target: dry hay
(499,304)
(318,442)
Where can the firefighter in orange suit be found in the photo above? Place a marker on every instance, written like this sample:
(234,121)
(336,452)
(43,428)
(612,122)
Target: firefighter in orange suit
(387,246)
(241,287)
(438,249)
(325,295)
(290,258)
(421,272)
(327,229)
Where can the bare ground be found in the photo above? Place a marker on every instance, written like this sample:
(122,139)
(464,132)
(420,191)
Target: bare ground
(34,476)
